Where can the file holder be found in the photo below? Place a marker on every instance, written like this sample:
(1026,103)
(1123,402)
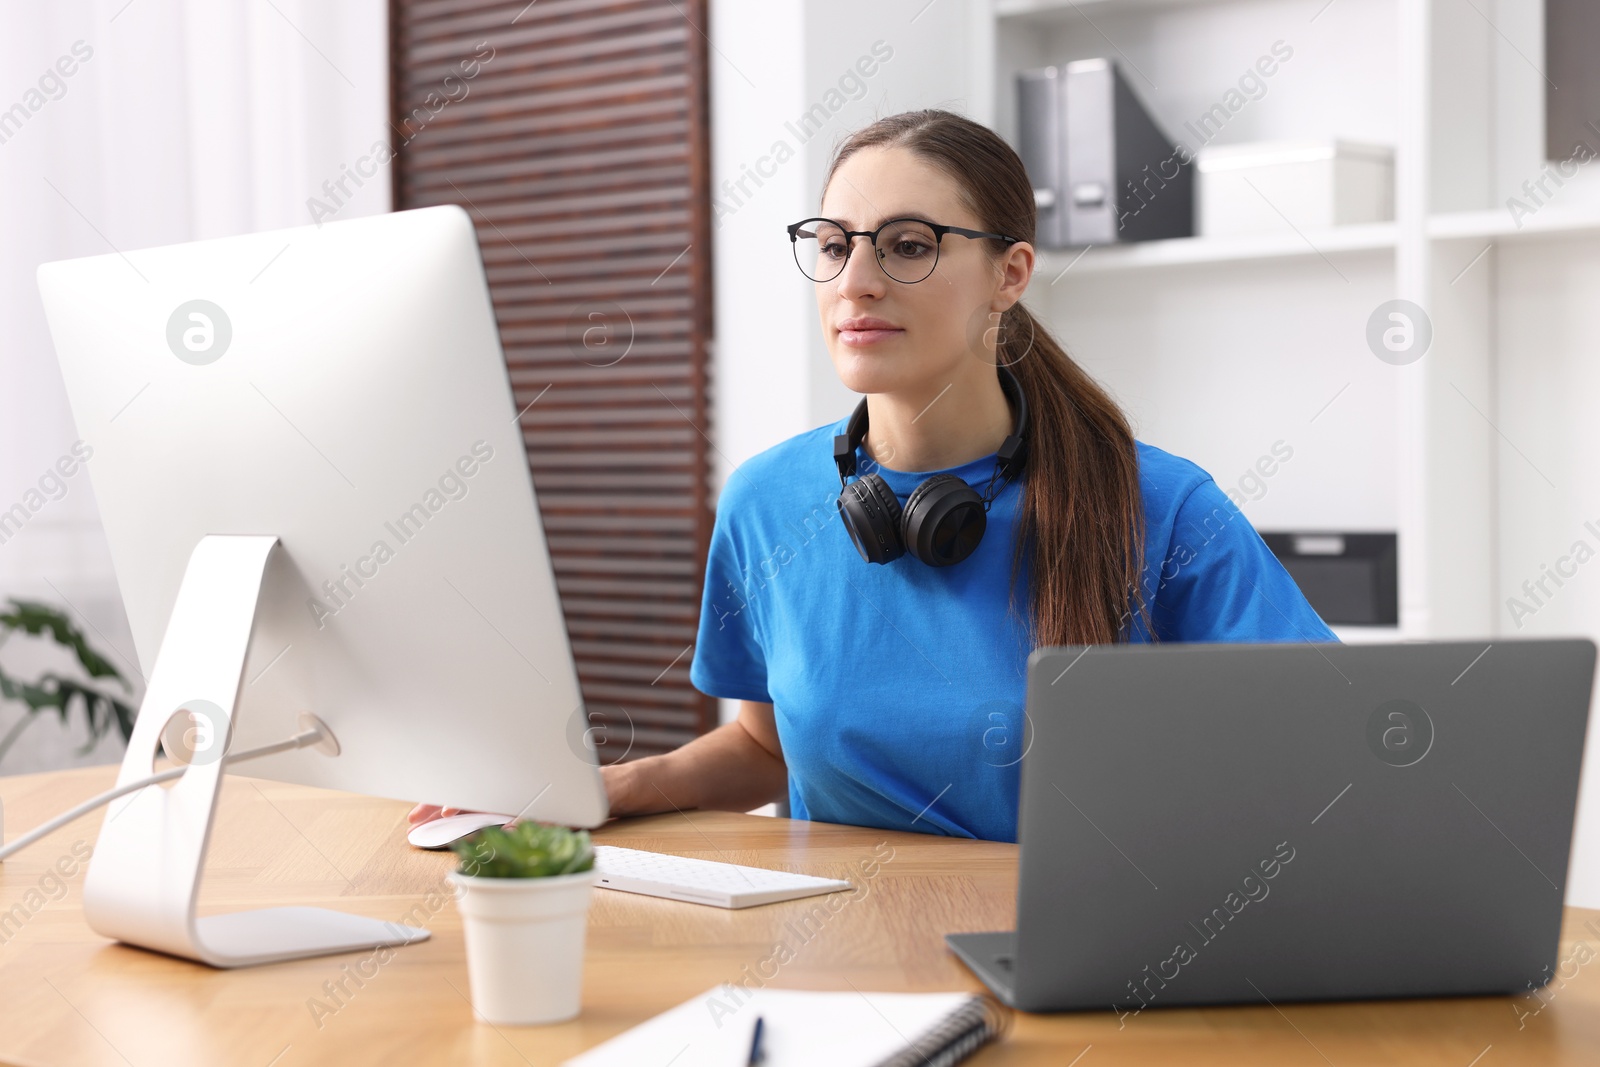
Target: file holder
(144,877)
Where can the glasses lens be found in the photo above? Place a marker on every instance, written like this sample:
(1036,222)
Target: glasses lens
(908,250)
(820,249)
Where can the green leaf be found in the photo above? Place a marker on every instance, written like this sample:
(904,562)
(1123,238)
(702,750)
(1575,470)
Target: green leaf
(34,618)
(52,691)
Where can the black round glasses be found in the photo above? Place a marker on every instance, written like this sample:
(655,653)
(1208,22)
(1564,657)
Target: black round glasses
(907,249)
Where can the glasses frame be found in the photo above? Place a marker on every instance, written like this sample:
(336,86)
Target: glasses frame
(850,236)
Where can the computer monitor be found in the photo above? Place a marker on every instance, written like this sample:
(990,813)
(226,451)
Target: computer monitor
(341,389)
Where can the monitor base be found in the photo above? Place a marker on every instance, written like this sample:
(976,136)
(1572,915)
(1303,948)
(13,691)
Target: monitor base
(144,877)
(270,935)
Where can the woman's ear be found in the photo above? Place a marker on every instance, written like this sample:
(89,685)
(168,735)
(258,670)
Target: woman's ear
(1013,271)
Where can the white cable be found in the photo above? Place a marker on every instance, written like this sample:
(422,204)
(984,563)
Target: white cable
(300,740)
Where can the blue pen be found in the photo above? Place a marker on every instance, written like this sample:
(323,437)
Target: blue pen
(757,1054)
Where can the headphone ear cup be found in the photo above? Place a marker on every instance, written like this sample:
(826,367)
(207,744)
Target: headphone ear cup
(944,521)
(871,514)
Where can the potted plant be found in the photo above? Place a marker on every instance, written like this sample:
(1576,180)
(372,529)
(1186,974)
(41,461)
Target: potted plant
(524,894)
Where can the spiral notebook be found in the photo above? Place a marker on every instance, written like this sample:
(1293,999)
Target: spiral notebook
(800,1027)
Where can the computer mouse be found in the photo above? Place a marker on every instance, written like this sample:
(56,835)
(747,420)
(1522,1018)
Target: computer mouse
(440,832)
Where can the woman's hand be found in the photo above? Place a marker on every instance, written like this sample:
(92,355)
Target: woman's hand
(612,776)
(622,785)
(736,767)
(428,812)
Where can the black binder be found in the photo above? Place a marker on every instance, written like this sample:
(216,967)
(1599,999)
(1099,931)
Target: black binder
(1103,172)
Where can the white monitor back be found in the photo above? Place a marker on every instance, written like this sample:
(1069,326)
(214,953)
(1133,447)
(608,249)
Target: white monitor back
(341,387)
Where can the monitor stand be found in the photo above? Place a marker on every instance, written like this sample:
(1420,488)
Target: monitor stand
(144,876)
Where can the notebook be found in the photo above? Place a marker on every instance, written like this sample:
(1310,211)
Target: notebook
(801,1028)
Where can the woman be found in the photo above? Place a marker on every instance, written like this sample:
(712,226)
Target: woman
(891,694)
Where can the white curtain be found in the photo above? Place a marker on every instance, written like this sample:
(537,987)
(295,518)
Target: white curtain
(125,125)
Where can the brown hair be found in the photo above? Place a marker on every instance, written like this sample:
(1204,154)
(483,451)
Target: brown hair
(1082,514)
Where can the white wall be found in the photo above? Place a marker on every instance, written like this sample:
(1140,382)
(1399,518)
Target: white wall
(759,370)
(186,120)
(771,64)
(1548,338)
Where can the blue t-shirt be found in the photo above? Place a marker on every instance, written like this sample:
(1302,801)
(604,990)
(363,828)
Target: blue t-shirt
(898,689)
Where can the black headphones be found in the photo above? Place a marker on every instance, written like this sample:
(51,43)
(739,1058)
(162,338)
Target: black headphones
(944,517)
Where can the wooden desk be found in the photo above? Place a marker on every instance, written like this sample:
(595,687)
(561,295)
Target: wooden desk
(68,996)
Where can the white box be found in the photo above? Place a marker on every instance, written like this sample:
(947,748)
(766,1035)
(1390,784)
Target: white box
(1270,185)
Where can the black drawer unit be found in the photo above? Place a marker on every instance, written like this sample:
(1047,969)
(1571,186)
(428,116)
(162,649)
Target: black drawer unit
(1350,578)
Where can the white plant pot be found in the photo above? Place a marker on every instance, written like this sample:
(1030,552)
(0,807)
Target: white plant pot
(525,944)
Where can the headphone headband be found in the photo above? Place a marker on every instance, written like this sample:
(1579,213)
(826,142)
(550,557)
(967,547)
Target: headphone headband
(1010,459)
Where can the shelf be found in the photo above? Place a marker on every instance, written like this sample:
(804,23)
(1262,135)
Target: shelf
(1365,635)
(1055,9)
(1498,223)
(1180,251)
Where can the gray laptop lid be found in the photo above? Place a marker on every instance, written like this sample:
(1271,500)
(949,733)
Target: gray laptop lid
(1238,823)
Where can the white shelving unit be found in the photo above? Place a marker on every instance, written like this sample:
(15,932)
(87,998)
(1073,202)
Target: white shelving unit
(1276,322)
(1500,226)
(1052,265)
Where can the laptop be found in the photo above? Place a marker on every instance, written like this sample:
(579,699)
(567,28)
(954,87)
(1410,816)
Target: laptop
(1251,823)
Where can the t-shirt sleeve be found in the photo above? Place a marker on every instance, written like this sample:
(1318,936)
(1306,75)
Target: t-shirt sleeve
(1220,582)
(729,660)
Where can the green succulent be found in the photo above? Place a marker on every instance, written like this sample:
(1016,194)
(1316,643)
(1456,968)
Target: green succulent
(526,850)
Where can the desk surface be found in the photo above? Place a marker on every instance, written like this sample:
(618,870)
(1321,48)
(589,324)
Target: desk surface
(68,996)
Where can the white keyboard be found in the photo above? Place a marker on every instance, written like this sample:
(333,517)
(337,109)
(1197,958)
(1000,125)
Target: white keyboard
(723,885)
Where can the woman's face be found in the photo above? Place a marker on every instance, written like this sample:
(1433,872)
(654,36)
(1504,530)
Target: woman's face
(941,327)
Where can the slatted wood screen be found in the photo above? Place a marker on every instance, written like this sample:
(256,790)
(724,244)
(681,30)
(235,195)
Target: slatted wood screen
(575,133)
